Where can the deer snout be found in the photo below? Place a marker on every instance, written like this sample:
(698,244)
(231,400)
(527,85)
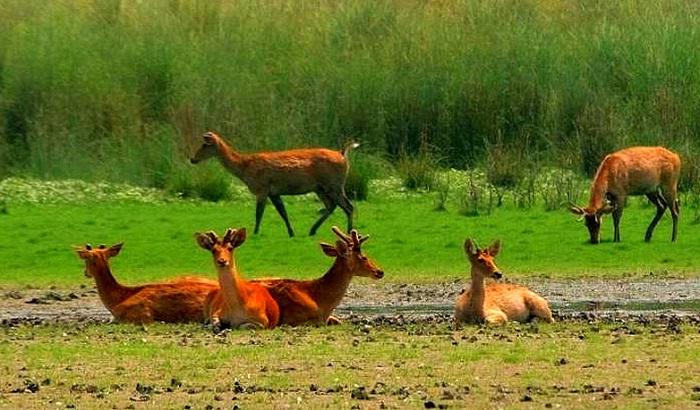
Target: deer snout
(222,262)
(193,161)
(497,275)
(379,274)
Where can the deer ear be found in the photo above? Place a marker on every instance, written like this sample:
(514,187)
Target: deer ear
(238,238)
(329,250)
(470,247)
(83,253)
(209,137)
(204,241)
(114,250)
(495,248)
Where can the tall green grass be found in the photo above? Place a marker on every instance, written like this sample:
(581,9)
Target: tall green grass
(410,240)
(119,89)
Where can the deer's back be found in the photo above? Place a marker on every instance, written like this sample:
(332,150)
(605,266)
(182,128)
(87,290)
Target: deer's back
(513,300)
(640,170)
(178,301)
(295,300)
(296,171)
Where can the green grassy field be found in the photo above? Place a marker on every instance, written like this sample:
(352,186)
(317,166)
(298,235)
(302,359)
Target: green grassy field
(410,240)
(374,363)
(570,365)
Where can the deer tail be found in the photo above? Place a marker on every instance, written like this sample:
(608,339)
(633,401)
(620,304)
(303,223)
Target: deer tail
(348,146)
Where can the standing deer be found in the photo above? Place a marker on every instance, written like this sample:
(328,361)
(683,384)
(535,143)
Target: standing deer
(313,301)
(650,171)
(294,172)
(238,303)
(497,302)
(180,300)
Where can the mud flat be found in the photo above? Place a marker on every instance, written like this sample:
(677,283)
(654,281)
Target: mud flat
(639,300)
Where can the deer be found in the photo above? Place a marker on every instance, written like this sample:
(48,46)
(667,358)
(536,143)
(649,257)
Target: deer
(496,303)
(650,171)
(175,301)
(293,172)
(313,301)
(237,302)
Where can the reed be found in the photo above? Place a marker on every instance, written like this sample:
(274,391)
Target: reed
(134,83)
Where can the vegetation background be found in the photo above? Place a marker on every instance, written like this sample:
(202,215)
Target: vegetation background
(120,90)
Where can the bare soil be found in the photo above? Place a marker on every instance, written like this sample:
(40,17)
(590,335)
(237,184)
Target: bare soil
(643,299)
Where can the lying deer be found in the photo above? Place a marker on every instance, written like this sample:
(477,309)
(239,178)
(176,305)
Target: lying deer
(650,171)
(313,301)
(295,172)
(180,300)
(237,303)
(497,302)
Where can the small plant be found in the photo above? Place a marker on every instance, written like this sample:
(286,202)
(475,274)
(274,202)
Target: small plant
(419,172)
(211,184)
(473,198)
(443,192)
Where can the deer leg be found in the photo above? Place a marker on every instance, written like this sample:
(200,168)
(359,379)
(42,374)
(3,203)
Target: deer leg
(347,207)
(617,216)
(674,207)
(660,203)
(279,206)
(259,210)
(330,207)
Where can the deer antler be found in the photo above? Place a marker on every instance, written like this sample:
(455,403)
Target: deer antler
(230,232)
(213,236)
(342,235)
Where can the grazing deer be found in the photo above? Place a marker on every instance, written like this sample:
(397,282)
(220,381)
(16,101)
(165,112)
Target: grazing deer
(294,172)
(497,302)
(313,301)
(237,303)
(180,300)
(650,171)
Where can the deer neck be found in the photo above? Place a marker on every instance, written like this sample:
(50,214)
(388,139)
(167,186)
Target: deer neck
(230,158)
(230,283)
(598,191)
(111,292)
(477,293)
(331,287)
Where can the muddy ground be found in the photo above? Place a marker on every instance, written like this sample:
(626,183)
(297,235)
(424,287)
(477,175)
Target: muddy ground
(641,299)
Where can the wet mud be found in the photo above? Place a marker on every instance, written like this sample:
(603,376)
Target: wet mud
(639,300)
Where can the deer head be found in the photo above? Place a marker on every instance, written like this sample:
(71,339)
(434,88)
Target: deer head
(208,149)
(222,249)
(592,219)
(483,260)
(97,257)
(348,249)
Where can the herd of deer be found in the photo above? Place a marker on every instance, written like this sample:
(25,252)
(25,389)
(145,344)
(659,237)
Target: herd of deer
(233,301)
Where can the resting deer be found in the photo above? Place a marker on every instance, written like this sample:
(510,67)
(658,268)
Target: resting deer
(295,172)
(180,300)
(237,303)
(650,171)
(497,302)
(313,301)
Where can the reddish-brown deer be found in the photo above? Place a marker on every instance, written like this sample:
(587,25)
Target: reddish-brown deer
(313,301)
(238,303)
(650,171)
(294,172)
(497,302)
(180,300)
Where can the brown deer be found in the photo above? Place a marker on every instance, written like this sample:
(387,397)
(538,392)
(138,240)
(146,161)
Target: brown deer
(180,300)
(237,303)
(497,302)
(313,301)
(650,171)
(294,172)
